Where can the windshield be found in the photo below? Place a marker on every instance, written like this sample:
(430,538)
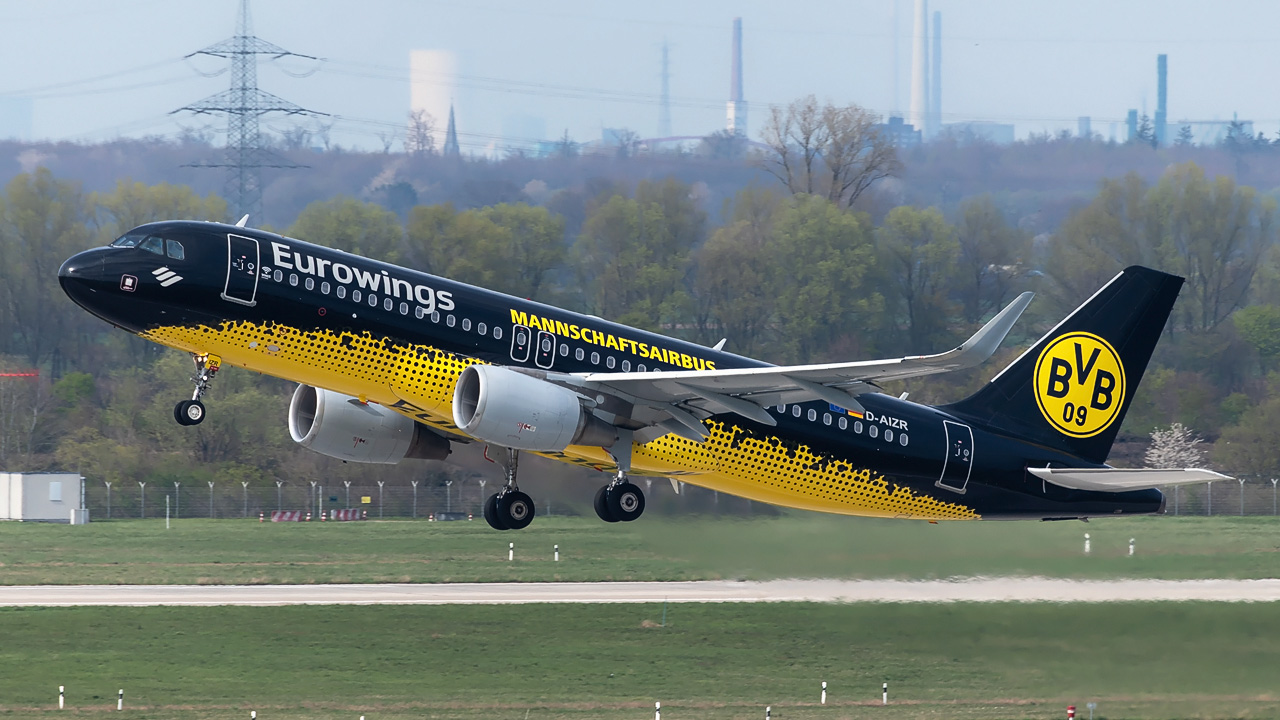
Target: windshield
(130,240)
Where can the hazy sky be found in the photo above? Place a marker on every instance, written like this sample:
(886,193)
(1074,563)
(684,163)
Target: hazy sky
(99,69)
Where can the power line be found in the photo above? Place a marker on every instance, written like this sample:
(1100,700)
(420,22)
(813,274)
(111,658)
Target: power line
(245,104)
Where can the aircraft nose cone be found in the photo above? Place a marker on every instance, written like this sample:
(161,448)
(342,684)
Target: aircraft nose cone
(79,265)
(78,273)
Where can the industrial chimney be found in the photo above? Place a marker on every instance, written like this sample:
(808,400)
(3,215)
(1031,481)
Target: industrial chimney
(737,110)
(935,78)
(1162,97)
(920,67)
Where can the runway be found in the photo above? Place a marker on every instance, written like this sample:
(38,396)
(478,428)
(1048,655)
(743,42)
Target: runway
(823,591)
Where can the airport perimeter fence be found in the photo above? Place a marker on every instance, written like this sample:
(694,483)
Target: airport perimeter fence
(402,500)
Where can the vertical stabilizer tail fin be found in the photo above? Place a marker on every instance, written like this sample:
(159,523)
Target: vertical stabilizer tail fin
(1071,389)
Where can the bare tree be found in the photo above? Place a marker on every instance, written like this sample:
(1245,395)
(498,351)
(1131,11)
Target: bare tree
(420,139)
(833,151)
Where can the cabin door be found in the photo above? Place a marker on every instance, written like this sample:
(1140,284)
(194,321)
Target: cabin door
(242,270)
(958,463)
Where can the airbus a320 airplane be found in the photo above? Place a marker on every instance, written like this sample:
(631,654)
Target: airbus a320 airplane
(394,364)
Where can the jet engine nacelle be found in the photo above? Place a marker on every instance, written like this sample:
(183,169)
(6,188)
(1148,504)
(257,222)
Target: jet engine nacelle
(514,410)
(341,426)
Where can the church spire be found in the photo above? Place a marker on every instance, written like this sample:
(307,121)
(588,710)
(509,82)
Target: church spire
(451,148)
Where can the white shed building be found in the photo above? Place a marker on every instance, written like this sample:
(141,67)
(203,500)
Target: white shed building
(42,497)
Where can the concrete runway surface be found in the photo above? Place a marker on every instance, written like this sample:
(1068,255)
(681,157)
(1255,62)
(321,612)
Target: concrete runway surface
(826,591)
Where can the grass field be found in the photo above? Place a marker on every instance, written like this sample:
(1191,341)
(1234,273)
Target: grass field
(711,661)
(801,545)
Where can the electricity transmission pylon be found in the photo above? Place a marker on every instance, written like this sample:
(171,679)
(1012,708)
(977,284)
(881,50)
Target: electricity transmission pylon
(244,104)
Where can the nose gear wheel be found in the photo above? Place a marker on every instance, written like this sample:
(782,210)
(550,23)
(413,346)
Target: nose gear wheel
(192,412)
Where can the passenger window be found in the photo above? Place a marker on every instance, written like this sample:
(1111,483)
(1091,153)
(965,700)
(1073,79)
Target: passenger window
(813,415)
(873,430)
(578,354)
(795,410)
(857,426)
(450,320)
(324,288)
(641,368)
(497,332)
(293,280)
(419,313)
(564,350)
(626,366)
(609,362)
(888,435)
(341,292)
(466,324)
(153,244)
(355,294)
(175,250)
(311,284)
(595,358)
(902,439)
(826,418)
(844,424)
(482,328)
(435,317)
(373,301)
(388,303)
(404,308)
(278,276)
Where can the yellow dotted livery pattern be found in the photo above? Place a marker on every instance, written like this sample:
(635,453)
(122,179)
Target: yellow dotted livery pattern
(734,460)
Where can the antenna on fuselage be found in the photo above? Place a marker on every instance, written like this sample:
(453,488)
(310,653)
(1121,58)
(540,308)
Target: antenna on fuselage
(243,220)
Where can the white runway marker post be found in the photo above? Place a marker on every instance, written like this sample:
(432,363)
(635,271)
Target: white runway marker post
(253,715)
(823,701)
(768,713)
(557,553)
(120,699)
(657,711)
(1130,547)
(884,697)
(61,695)
(1086,543)
(511,552)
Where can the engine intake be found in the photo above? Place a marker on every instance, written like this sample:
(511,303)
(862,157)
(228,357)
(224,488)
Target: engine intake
(514,410)
(342,427)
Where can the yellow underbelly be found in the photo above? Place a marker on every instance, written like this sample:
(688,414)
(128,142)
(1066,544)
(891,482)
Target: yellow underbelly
(766,469)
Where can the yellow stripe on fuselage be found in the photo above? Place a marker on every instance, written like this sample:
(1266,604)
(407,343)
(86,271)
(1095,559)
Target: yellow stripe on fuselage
(733,460)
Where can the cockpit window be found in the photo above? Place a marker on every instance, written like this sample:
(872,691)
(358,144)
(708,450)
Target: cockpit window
(175,250)
(153,244)
(130,240)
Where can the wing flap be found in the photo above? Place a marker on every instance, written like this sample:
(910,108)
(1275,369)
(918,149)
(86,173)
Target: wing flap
(1121,480)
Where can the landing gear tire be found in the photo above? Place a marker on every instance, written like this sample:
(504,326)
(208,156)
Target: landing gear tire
(515,510)
(491,513)
(189,412)
(602,505)
(626,501)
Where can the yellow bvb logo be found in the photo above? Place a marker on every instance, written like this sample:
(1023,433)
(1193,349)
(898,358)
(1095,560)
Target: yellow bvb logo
(1080,384)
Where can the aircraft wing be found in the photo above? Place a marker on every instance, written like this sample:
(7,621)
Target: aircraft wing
(1119,480)
(676,401)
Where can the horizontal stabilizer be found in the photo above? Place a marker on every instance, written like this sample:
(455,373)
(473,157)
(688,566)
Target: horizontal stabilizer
(1119,480)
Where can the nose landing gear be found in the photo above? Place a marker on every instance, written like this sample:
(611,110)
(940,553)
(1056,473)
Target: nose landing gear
(191,412)
(509,509)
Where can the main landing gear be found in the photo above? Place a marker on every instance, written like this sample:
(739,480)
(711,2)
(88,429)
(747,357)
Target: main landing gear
(509,509)
(620,500)
(191,412)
